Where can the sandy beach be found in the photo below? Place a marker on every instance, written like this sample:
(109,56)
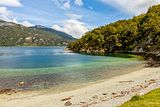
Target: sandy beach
(109,93)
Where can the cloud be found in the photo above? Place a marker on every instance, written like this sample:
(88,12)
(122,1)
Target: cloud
(74,16)
(72,26)
(10,3)
(7,15)
(26,23)
(78,2)
(132,6)
(66,5)
(57,27)
(63,4)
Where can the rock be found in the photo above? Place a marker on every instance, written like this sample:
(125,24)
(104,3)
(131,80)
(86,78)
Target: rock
(141,49)
(114,93)
(68,103)
(95,97)
(153,63)
(120,95)
(90,99)
(64,99)
(3,91)
(143,86)
(133,90)
(151,81)
(21,83)
(103,99)
(9,93)
(28,39)
(124,92)
(104,93)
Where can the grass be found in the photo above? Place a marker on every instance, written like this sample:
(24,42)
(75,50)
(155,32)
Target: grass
(152,99)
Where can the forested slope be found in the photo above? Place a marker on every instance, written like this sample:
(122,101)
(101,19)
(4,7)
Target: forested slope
(139,34)
(12,34)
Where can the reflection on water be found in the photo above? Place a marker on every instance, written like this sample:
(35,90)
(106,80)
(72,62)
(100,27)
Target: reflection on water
(41,67)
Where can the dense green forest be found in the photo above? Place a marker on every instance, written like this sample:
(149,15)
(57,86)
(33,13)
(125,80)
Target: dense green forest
(12,34)
(139,34)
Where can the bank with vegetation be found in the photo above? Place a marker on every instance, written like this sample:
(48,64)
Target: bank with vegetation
(139,35)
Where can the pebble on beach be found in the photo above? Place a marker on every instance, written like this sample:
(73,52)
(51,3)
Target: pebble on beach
(68,103)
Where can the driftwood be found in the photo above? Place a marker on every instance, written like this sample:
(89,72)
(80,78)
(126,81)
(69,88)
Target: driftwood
(65,99)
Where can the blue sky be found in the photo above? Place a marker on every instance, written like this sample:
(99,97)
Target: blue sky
(71,16)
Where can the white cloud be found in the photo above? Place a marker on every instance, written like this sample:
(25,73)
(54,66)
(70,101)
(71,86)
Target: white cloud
(78,2)
(26,23)
(11,3)
(132,6)
(74,16)
(8,15)
(66,5)
(72,27)
(57,27)
(63,4)
(5,14)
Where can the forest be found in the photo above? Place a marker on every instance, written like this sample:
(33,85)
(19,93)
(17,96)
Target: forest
(139,34)
(12,34)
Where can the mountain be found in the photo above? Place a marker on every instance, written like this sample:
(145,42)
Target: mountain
(61,34)
(139,34)
(12,34)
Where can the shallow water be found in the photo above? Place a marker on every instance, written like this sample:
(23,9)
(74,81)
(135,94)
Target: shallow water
(45,67)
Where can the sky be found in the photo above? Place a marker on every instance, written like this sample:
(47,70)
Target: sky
(74,17)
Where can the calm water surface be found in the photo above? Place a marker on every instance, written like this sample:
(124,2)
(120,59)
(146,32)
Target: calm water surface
(46,67)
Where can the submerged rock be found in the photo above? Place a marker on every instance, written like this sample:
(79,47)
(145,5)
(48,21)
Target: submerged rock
(7,91)
(3,91)
(21,83)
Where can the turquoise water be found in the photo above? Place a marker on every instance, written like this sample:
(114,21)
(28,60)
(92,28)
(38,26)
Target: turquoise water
(41,67)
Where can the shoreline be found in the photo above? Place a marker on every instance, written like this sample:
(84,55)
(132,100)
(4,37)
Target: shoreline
(69,86)
(111,92)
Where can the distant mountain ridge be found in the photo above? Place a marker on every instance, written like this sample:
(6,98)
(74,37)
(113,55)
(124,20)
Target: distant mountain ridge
(12,34)
(60,33)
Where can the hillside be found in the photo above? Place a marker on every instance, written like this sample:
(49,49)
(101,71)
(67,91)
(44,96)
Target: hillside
(139,34)
(55,32)
(12,34)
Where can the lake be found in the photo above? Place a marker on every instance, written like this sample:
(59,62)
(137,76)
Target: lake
(53,67)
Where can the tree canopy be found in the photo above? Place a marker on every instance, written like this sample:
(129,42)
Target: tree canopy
(141,33)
